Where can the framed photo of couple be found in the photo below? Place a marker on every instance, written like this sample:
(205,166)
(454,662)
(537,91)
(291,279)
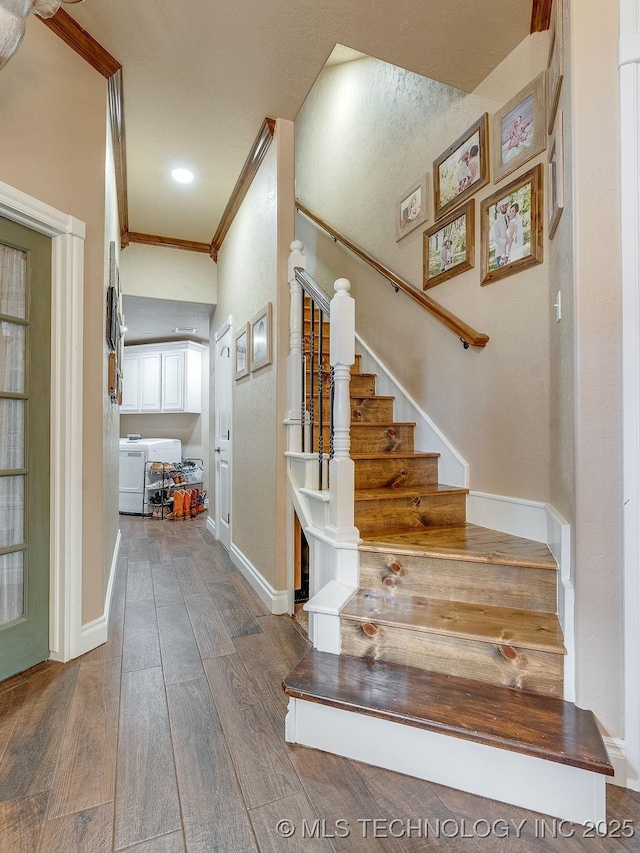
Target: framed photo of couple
(461,170)
(511,227)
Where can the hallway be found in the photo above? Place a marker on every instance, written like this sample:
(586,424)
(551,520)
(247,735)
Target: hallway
(170,737)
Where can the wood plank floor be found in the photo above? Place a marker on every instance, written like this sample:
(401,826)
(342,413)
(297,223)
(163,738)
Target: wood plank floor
(170,738)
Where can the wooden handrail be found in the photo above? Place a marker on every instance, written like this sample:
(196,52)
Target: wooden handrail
(467,335)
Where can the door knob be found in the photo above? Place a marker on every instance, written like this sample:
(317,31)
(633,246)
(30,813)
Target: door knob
(217,450)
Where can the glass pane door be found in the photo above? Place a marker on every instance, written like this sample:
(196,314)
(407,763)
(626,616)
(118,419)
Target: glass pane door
(25,380)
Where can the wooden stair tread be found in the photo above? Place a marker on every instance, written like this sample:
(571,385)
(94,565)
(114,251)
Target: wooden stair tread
(504,626)
(380,424)
(416,454)
(418,491)
(528,723)
(466,542)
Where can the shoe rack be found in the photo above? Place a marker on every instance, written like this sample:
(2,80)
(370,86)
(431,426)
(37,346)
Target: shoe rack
(162,480)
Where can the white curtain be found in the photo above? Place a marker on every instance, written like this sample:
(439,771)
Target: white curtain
(13,340)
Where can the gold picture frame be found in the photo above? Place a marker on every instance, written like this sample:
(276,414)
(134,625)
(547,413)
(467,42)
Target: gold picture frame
(449,246)
(412,208)
(555,176)
(511,227)
(555,62)
(260,339)
(463,169)
(241,353)
(519,129)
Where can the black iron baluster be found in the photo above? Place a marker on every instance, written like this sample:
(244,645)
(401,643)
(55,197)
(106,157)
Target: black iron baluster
(303,406)
(320,400)
(312,368)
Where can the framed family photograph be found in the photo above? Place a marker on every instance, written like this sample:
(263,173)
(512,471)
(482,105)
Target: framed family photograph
(555,62)
(260,339)
(519,129)
(555,177)
(449,246)
(412,209)
(242,353)
(511,227)
(462,169)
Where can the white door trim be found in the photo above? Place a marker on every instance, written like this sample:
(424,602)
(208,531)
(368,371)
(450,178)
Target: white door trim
(630,191)
(220,333)
(67,281)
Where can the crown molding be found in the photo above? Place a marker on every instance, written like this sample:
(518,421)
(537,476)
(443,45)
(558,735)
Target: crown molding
(78,39)
(249,170)
(541,15)
(168,242)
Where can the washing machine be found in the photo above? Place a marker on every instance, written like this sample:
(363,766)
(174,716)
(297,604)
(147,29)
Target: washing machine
(134,454)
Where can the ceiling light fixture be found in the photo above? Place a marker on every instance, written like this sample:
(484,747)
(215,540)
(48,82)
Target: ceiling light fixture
(182,176)
(179,331)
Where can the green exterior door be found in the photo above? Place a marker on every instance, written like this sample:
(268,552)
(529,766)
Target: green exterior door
(25,382)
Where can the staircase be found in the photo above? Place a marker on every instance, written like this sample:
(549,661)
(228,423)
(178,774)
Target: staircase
(451,652)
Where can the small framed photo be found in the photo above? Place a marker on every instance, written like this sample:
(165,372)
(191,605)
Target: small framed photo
(449,246)
(555,177)
(511,227)
(242,353)
(519,129)
(555,62)
(260,339)
(462,169)
(412,209)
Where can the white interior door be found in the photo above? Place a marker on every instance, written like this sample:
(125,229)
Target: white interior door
(222,435)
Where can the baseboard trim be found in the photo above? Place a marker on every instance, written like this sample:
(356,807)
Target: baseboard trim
(211,525)
(517,516)
(94,633)
(453,469)
(566,792)
(275,600)
(616,748)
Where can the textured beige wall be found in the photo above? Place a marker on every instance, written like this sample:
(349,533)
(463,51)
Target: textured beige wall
(365,134)
(161,273)
(598,354)
(53,108)
(111,466)
(251,273)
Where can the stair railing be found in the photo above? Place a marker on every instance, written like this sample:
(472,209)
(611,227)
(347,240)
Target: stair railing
(468,336)
(307,381)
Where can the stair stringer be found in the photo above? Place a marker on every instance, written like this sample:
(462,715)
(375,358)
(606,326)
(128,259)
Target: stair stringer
(333,564)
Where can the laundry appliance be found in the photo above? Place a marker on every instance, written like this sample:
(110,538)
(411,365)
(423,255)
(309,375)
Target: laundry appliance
(133,457)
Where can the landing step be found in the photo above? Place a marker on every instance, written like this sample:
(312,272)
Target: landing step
(466,542)
(534,725)
(505,626)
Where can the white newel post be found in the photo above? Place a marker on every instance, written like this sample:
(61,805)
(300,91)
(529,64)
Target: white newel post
(294,360)
(341,467)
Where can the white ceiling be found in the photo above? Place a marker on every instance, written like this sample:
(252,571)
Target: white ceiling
(149,320)
(201,75)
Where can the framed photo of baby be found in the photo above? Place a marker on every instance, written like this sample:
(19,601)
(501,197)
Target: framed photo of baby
(519,129)
(449,246)
(511,227)
(462,169)
(412,209)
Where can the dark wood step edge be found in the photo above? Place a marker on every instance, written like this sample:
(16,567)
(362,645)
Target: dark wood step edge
(299,684)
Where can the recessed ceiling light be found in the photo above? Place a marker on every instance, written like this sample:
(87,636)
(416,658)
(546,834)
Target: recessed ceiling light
(182,176)
(179,331)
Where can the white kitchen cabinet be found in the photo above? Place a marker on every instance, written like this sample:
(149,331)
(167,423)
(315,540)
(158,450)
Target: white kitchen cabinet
(162,378)
(130,383)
